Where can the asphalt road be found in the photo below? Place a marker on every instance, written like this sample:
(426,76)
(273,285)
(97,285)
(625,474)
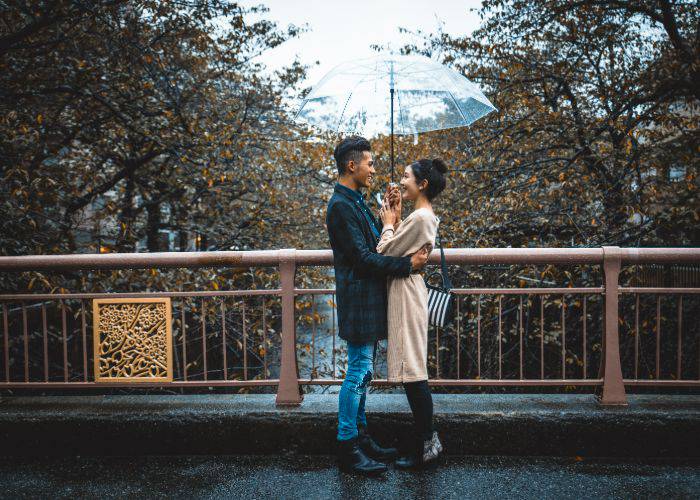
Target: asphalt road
(311,477)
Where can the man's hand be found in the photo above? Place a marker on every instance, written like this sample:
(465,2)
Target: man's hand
(419,258)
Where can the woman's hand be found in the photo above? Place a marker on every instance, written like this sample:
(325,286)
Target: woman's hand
(387,196)
(395,202)
(387,215)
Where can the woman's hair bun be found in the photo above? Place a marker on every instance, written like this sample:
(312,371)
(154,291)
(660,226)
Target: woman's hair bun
(432,171)
(440,165)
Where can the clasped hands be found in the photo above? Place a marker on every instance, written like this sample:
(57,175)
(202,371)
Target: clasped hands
(390,213)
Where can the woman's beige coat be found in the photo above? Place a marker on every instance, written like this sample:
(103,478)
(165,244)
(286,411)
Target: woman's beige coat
(407,313)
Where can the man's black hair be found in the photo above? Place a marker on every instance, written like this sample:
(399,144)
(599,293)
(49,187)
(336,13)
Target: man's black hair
(350,148)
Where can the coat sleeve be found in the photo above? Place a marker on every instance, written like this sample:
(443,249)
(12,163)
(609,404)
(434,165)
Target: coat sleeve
(407,238)
(348,234)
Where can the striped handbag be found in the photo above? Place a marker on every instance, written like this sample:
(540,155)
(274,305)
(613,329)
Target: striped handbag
(440,299)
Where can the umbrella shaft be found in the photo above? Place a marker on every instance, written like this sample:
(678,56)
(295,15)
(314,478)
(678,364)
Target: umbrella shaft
(392,134)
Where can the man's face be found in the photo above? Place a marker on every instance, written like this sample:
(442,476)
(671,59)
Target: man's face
(363,171)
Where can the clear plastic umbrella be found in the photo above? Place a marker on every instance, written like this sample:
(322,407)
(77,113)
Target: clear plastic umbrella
(393,94)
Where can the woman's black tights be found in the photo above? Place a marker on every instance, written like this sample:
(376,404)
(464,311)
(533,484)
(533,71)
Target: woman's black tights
(421,402)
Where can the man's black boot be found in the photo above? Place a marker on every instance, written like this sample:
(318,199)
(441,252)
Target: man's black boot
(372,449)
(352,459)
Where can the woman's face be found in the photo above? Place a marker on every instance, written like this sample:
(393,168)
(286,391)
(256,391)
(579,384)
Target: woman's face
(409,188)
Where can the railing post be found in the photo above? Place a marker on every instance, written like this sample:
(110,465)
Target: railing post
(288,392)
(611,369)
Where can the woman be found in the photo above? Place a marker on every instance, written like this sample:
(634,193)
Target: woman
(407,352)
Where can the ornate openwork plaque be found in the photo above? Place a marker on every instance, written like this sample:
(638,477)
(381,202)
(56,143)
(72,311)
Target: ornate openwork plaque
(133,340)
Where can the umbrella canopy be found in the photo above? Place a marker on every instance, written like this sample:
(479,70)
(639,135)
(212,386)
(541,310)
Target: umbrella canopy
(356,97)
(393,94)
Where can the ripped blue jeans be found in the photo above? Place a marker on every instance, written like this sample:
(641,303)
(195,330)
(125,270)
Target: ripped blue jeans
(353,392)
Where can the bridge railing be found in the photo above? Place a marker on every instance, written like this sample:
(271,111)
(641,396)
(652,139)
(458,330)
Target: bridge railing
(246,338)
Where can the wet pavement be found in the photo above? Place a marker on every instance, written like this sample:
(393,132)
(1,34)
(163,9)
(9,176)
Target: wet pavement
(316,476)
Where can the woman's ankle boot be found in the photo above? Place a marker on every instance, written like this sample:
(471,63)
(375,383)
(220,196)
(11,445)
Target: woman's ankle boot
(423,453)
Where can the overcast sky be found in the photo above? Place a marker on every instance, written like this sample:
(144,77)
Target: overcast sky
(343,30)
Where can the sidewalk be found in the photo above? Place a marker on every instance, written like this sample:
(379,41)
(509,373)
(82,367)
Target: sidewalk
(311,477)
(469,424)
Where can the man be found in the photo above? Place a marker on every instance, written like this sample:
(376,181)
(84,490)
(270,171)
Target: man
(361,298)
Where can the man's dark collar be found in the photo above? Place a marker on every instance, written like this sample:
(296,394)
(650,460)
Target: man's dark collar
(355,195)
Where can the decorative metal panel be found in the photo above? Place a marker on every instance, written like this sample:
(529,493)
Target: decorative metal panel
(133,340)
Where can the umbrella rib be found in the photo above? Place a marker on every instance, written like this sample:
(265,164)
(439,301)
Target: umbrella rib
(340,118)
(398,99)
(413,63)
(458,108)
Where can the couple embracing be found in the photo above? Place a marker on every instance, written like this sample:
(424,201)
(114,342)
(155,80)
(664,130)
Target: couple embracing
(380,294)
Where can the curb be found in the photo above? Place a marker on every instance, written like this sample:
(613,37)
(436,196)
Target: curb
(468,424)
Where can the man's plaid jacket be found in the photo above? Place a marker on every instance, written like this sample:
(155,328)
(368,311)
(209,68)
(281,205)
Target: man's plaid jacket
(360,272)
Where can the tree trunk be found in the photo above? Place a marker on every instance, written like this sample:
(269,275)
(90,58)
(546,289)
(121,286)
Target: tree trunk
(152,228)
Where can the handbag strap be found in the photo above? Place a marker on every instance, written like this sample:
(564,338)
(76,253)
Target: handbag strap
(446,283)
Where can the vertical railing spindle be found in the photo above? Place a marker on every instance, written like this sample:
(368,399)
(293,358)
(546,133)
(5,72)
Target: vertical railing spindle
(65,341)
(313,336)
(679,374)
(44,330)
(25,336)
(5,335)
(636,337)
(542,337)
(223,338)
(500,354)
(520,321)
(585,321)
(83,326)
(245,342)
(459,334)
(563,338)
(184,341)
(204,337)
(478,337)
(658,336)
